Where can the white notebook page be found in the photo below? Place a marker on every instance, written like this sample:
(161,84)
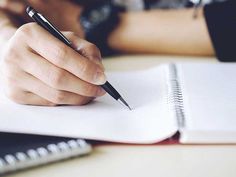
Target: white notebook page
(104,119)
(209,93)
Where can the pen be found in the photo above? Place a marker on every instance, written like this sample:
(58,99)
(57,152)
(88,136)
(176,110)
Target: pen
(43,22)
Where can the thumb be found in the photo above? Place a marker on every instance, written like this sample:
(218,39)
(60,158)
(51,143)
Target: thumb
(85,48)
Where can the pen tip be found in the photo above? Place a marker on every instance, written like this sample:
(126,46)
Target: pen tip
(123,102)
(129,108)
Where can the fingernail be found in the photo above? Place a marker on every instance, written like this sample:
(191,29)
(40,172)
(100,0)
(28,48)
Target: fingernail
(99,77)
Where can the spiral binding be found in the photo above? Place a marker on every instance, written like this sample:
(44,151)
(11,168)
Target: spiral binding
(43,155)
(175,97)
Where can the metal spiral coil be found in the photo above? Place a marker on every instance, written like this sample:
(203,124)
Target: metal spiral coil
(175,97)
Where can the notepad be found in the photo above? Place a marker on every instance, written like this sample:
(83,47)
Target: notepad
(21,151)
(198,100)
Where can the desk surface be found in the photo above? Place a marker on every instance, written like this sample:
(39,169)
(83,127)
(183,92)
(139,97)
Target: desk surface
(151,161)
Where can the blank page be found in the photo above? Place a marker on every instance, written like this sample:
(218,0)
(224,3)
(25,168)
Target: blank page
(209,94)
(104,119)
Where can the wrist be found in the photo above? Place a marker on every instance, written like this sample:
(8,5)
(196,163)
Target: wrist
(98,21)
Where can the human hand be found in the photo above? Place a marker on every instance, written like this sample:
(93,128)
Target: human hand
(64,14)
(39,69)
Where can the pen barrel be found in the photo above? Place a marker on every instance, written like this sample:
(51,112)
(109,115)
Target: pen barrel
(51,29)
(111,90)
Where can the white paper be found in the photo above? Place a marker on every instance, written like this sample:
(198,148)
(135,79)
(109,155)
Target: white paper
(104,119)
(209,94)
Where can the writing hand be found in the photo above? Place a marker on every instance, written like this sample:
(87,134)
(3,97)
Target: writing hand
(39,69)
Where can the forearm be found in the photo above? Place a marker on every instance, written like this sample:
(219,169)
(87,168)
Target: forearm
(163,32)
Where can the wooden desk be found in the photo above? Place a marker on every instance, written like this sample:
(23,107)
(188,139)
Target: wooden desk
(146,161)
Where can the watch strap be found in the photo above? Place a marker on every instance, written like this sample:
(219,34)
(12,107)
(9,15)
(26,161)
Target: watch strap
(98,21)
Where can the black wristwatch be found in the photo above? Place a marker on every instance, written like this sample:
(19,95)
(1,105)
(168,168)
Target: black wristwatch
(98,20)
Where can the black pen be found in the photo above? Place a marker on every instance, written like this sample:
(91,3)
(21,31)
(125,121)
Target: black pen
(43,22)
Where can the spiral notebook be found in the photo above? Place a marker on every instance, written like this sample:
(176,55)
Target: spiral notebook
(198,100)
(20,151)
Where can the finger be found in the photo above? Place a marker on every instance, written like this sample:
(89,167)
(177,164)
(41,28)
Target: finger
(85,48)
(18,81)
(14,6)
(58,97)
(14,91)
(28,98)
(63,56)
(58,78)
(32,99)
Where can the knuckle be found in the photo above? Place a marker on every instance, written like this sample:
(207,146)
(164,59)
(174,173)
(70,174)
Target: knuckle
(56,78)
(60,53)
(26,31)
(94,51)
(59,97)
(87,71)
